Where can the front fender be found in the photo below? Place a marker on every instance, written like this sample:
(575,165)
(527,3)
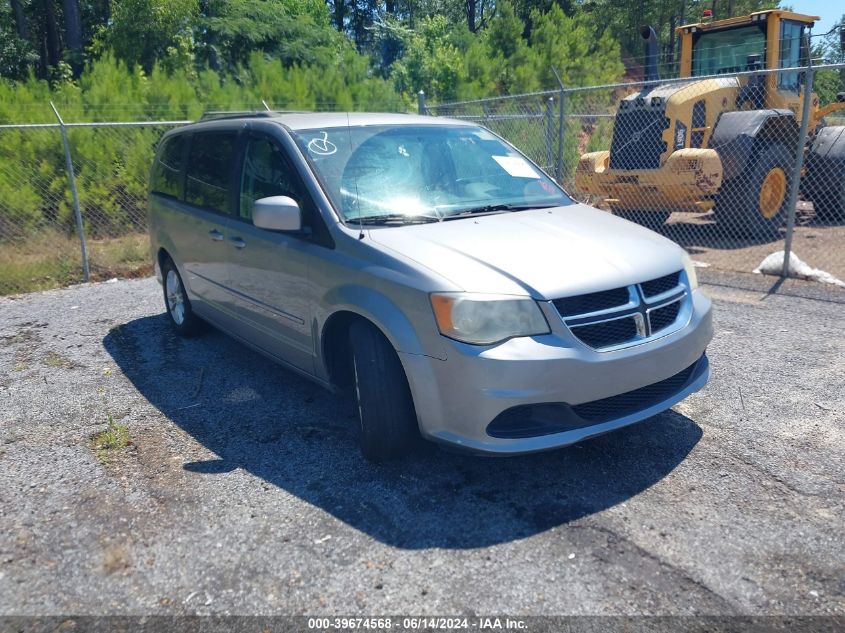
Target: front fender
(375,306)
(738,135)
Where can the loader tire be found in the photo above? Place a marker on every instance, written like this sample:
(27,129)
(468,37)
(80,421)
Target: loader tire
(754,204)
(830,206)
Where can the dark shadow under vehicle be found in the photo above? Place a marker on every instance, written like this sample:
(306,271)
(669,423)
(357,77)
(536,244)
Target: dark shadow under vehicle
(292,434)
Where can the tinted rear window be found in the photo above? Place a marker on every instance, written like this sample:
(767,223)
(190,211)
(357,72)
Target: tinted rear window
(210,170)
(166,178)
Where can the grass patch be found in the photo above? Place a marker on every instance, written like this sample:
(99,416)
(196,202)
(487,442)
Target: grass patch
(106,443)
(52,259)
(56,360)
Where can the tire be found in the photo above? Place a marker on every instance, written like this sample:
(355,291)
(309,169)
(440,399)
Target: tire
(830,206)
(653,220)
(179,311)
(754,203)
(824,182)
(387,422)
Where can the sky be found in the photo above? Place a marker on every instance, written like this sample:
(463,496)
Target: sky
(829,10)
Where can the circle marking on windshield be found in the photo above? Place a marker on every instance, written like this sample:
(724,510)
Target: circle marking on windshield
(322,146)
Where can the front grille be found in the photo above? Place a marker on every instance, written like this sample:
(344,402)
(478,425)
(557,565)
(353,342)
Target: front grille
(593,302)
(663,317)
(633,401)
(661,284)
(607,333)
(628,315)
(638,138)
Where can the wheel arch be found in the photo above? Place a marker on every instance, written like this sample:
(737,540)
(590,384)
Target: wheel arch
(738,136)
(355,303)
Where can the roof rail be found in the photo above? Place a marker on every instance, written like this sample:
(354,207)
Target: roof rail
(234,114)
(239,114)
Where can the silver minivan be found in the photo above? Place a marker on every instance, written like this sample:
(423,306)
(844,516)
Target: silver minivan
(429,268)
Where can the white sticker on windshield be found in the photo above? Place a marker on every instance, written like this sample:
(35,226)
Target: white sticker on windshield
(516,166)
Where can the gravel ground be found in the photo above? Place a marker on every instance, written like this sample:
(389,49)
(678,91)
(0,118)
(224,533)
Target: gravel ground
(241,490)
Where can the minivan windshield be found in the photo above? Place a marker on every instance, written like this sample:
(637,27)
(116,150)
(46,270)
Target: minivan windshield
(397,174)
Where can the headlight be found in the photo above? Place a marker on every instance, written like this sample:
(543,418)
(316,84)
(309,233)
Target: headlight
(485,319)
(689,269)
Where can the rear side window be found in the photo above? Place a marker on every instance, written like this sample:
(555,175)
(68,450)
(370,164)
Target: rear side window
(210,170)
(166,178)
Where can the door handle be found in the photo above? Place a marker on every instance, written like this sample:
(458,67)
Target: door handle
(216,235)
(237,242)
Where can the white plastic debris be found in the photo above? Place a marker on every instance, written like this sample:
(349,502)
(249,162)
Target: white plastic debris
(773,265)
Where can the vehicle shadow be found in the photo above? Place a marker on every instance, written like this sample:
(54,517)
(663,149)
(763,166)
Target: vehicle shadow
(292,434)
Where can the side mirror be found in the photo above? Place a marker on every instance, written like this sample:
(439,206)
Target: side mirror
(277,213)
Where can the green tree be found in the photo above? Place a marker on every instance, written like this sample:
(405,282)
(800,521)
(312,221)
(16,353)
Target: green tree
(294,32)
(431,62)
(143,32)
(583,53)
(512,61)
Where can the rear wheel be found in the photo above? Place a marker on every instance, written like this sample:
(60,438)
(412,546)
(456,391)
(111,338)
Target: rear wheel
(182,317)
(824,182)
(754,204)
(830,206)
(387,423)
(650,219)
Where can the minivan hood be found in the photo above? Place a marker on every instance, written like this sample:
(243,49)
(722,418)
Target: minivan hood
(545,253)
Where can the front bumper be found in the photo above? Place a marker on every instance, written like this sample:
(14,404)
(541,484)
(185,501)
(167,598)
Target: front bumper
(685,182)
(457,399)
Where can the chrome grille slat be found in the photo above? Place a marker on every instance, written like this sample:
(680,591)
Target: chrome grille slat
(651,309)
(661,285)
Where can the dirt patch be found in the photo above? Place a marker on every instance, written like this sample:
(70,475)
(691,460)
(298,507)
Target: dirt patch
(820,244)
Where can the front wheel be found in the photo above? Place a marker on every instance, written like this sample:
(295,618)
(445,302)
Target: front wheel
(387,423)
(755,203)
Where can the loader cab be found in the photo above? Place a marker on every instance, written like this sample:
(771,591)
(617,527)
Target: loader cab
(766,39)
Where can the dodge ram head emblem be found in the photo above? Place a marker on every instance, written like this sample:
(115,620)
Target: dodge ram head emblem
(639,321)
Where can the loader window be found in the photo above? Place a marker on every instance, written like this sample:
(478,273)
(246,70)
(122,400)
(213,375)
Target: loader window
(791,55)
(725,52)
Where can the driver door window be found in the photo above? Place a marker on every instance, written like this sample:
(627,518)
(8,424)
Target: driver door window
(266,172)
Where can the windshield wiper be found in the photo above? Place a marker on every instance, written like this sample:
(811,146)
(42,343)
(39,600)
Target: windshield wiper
(392,218)
(495,208)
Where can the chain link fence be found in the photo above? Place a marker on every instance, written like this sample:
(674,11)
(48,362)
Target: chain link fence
(73,203)
(732,167)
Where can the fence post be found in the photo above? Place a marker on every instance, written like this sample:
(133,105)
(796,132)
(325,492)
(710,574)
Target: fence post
(799,164)
(549,132)
(421,102)
(86,274)
(560,127)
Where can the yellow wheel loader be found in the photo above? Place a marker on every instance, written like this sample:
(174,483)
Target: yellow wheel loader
(726,143)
